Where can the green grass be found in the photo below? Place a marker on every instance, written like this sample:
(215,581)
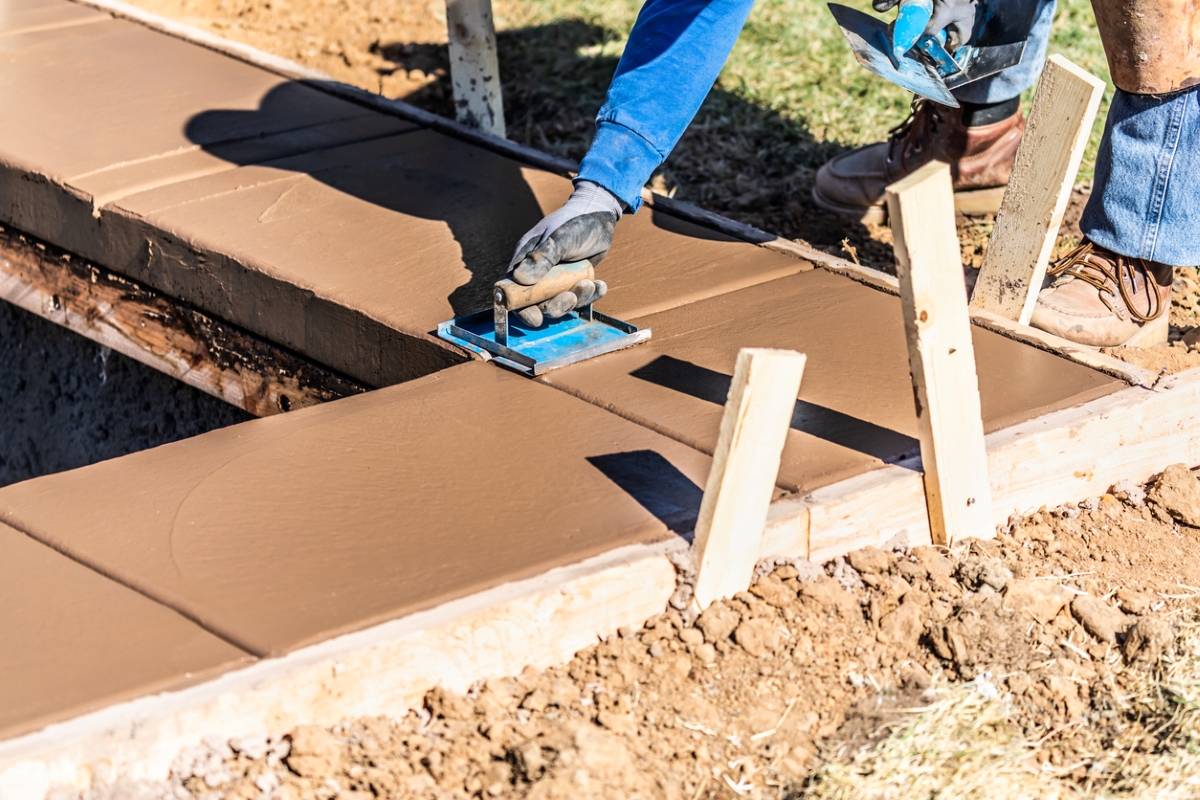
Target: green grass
(792,59)
(790,97)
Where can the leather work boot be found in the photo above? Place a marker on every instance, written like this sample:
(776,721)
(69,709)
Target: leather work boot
(980,159)
(1102,299)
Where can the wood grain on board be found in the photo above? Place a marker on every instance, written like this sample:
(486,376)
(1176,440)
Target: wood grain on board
(940,356)
(855,411)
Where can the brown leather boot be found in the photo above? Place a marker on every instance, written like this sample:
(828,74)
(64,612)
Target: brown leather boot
(1103,299)
(980,159)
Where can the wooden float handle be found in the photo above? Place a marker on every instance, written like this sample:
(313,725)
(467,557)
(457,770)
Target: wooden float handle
(513,296)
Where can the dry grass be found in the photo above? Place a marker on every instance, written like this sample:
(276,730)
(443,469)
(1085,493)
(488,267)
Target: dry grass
(967,744)
(961,746)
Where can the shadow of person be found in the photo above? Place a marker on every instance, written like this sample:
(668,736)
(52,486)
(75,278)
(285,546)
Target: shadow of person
(482,198)
(552,89)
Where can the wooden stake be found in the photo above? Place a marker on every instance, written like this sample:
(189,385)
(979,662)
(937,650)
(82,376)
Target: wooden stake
(758,415)
(474,68)
(941,355)
(1031,213)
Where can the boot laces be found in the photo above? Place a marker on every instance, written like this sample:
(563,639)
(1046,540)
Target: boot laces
(1104,270)
(908,133)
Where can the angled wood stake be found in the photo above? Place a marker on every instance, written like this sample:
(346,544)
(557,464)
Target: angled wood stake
(474,68)
(758,414)
(941,355)
(1031,213)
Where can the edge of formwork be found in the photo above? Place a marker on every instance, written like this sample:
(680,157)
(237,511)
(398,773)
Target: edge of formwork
(1133,375)
(1117,368)
(1067,455)
(385,669)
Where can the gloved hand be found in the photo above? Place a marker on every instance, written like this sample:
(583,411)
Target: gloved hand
(581,229)
(956,17)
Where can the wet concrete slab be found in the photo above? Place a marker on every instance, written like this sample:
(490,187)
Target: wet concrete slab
(405,232)
(855,411)
(319,224)
(289,529)
(28,16)
(73,641)
(93,112)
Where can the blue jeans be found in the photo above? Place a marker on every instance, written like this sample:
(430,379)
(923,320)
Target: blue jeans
(674,54)
(1014,80)
(1145,202)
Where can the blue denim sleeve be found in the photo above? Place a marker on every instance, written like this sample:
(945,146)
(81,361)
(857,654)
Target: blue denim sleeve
(672,59)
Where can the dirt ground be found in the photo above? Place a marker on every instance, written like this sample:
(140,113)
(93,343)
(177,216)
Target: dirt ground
(68,402)
(1057,627)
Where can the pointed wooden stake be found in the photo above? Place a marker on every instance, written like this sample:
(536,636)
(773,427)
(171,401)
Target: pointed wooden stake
(474,68)
(941,355)
(758,415)
(1036,199)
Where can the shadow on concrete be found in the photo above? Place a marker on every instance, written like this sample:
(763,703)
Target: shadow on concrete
(657,484)
(66,402)
(739,158)
(487,205)
(823,423)
(548,86)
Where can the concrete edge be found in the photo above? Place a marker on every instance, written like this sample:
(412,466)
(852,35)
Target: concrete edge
(871,277)
(385,669)
(1064,456)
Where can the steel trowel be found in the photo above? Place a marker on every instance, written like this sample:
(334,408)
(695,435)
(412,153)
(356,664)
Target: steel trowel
(498,334)
(926,64)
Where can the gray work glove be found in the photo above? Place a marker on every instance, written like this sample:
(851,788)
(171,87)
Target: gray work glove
(956,17)
(581,229)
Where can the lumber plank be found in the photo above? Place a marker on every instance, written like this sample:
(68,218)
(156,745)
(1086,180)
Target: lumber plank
(385,669)
(757,417)
(941,354)
(474,69)
(1031,212)
(537,158)
(161,332)
(1131,374)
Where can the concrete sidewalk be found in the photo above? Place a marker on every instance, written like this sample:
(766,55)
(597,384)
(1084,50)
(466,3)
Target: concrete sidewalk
(347,234)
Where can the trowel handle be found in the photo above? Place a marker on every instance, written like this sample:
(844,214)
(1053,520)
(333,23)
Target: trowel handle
(911,20)
(513,296)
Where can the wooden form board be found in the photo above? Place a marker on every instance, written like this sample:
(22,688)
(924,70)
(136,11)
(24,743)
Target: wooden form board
(1031,213)
(941,355)
(754,427)
(567,167)
(1135,376)
(1065,456)
(474,69)
(162,333)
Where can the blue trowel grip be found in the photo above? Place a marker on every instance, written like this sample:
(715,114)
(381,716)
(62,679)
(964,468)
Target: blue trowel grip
(910,24)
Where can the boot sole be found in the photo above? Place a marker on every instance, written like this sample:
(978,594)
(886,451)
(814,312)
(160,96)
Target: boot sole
(973,203)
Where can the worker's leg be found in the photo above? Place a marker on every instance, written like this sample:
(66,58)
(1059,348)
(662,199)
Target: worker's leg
(1139,223)
(979,141)
(1146,202)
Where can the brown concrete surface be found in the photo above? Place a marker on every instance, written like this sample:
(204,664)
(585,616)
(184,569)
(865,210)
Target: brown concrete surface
(289,529)
(407,231)
(27,16)
(350,245)
(855,409)
(93,112)
(72,641)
